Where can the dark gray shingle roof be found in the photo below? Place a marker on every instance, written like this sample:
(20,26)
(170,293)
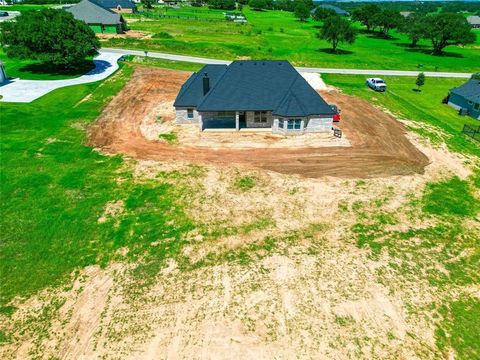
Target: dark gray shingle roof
(470,90)
(253,85)
(92,13)
(191,93)
(113,4)
(338,10)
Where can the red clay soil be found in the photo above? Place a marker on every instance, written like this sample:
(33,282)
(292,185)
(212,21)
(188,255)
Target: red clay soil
(379,145)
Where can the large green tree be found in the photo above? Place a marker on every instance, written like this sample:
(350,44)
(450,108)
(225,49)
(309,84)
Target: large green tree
(321,13)
(49,35)
(222,4)
(147,4)
(301,10)
(414,27)
(387,19)
(367,15)
(336,30)
(258,4)
(446,29)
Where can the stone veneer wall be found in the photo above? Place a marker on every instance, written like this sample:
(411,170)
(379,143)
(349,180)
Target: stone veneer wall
(250,120)
(311,124)
(181,116)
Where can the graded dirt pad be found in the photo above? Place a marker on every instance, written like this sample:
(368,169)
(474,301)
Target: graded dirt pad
(379,146)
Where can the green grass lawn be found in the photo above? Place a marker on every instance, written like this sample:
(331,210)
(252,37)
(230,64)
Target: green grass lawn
(25,7)
(278,35)
(162,63)
(424,106)
(33,70)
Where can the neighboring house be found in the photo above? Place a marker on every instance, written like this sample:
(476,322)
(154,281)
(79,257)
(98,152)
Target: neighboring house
(466,98)
(474,21)
(118,6)
(99,19)
(253,94)
(337,10)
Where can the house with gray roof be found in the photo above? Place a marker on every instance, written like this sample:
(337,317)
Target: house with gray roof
(257,94)
(474,21)
(466,98)
(337,10)
(98,18)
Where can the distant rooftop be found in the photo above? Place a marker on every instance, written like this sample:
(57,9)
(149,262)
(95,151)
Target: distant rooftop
(337,10)
(473,20)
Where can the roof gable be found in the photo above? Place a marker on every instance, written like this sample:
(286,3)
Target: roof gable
(92,13)
(253,86)
(470,90)
(191,92)
(113,4)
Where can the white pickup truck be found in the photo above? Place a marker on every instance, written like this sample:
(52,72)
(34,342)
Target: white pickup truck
(376,84)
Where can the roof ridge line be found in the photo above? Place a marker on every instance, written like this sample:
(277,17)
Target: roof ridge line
(299,102)
(289,90)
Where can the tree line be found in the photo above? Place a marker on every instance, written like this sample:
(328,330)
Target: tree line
(442,29)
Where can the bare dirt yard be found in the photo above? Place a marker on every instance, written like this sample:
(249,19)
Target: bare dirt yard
(379,146)
(281,262)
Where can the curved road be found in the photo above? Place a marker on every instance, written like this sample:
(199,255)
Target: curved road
(202,60)
(26,91)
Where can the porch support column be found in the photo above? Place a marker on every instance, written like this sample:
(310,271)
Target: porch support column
(237,121)
(200,122)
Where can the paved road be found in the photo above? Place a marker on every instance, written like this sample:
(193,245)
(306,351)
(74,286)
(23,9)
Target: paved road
(202,60)
(26,91)
(11,15)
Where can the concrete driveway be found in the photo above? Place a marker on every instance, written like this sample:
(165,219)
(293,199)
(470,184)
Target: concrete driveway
(26,91)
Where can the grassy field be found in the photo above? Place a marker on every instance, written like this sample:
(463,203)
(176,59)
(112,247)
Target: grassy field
(55,189)
(424,107)
(25,7)
(278,35)
(162,63)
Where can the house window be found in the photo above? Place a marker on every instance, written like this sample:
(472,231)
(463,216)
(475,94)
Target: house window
(470,102)
(476,106)
(294,124)
(190,113)
(260,116)
(280,123)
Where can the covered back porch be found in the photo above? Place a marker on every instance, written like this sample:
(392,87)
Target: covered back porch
(236,120)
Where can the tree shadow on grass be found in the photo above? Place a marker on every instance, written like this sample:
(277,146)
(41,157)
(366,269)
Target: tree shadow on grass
(79,69)
(409,46)
(338,52)
(429,51)
(380,36)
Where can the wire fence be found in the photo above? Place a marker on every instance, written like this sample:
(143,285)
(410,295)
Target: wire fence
(474,133)
(155,15)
